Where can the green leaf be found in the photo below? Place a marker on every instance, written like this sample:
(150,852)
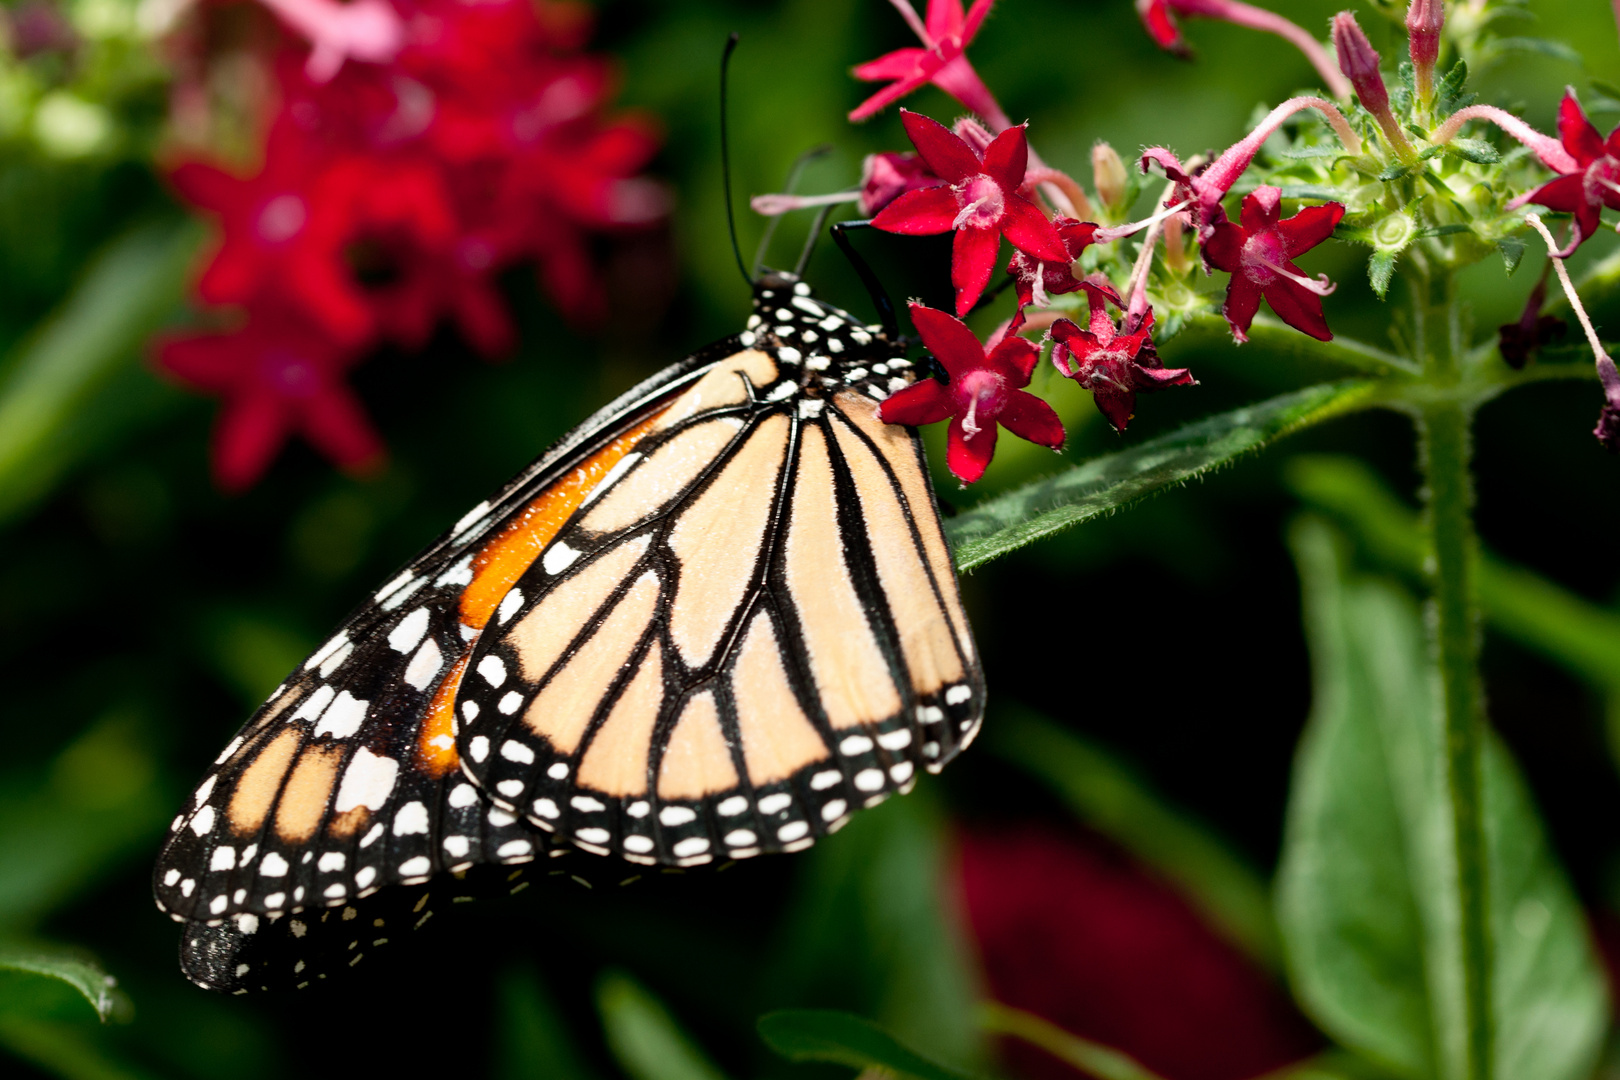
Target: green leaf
(50,983)
(1380,268)
(1449,95)
(58,373)
(1108,796)
(1478,151)
(644,1038)
(1365,893)
(1024,515)
(1091,1058)
(534,1039)
(1512,249)
(1606,89)
(846,1039)
(1394,171)
(1519,603)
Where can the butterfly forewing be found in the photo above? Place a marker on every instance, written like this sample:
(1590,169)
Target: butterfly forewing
(348,778)
(750,631)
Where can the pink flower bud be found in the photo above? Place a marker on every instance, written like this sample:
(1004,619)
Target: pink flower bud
(1359,62)
(1424,20)
(1108,174)
(887,176)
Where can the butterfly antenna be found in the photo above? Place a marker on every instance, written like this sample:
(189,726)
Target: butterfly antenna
(874,288)
(810,241)
(788,188)
(725,158)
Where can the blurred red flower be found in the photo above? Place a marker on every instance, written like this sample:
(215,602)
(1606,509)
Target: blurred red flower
(1071,930)
(279,375)
(392,192)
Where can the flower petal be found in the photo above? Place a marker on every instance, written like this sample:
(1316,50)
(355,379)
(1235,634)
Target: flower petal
(1309,227)
(1224,248)
(1007,158)
(888,96)
(1242,302)
(1298,307)
(1563,194)
(1028,417)
(968,458)
(900,64)
(1115,404)
(945,18)
(1576,132)
(335,424)
(947,155)
(1016,357)
(1261,208)
(923,402)
(247,435)
(949,339)
(919,213)
(1028,230)
(973,258)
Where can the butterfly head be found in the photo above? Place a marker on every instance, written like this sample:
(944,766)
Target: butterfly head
(798,330)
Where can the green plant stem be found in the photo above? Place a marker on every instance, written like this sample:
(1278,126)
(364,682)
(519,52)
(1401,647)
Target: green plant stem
(1445,438)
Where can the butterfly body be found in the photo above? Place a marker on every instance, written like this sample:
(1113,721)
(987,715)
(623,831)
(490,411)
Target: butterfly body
(712,622)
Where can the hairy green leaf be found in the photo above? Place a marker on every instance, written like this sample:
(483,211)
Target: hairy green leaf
(1024,515)
(1108,796)
(846,1039)
(1512,249)
(1380,268)
(1449,95)
(644,1038)
(1366,896)
(44,982)
(51,382)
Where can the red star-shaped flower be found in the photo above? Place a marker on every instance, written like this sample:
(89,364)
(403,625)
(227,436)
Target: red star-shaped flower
(979,200)
(1259,253)
(1114,363)
(942,61)
(984,390)
(1594,182)
(1037,279)
(279,375)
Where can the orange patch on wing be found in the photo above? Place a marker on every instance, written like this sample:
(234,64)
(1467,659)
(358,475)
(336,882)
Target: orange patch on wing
(436,745)
(503,559)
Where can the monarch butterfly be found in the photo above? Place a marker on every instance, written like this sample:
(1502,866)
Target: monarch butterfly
(711,622)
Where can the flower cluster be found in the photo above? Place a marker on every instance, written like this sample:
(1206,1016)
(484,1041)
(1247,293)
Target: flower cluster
(418,149)
(1370,157)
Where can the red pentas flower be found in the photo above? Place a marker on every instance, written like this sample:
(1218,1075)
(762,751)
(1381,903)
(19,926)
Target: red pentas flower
(1593,182)
(1037,279)
(985,390)
(1259,253)
(279,375)
(942,61)
(979,200)
(1115,363)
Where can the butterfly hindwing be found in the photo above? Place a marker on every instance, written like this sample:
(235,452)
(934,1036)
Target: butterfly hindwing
(749,632)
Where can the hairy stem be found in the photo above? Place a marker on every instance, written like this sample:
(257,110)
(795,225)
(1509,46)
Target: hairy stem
(1454,624)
